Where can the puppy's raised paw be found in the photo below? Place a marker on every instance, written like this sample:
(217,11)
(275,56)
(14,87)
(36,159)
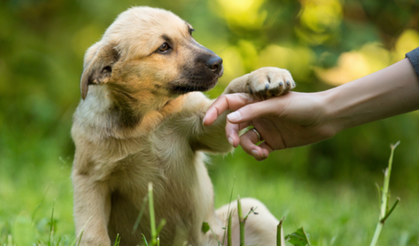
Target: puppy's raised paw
(269,82)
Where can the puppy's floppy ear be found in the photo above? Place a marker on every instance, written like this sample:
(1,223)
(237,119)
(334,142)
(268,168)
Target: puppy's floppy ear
(98,66)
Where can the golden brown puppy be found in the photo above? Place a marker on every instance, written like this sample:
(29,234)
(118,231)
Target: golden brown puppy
(140,121)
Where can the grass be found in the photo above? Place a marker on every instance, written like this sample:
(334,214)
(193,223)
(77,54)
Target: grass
(334,213)
(385,196)
(36,205)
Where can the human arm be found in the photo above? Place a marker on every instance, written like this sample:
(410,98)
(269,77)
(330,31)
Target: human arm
(388,92)
(298,119)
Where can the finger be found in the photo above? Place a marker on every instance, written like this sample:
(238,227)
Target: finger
(266,149)
(226,102)
(232,132)
(248,142)
(254,110)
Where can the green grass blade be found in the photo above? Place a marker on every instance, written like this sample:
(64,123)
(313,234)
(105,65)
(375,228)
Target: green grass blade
(140,215)
(152,217)
(161,225)
(251,211)
(241,220)
(229,233)
(145,240)
(81,235)
(51,228)
(384,213)
(306,236)
(228,209)
(391,210)
(40,204)
(117,240)
(280,241)
(58,242)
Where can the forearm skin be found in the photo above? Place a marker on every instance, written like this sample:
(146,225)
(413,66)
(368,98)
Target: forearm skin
(388,92)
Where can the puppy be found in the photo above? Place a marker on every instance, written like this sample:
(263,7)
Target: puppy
(140,121)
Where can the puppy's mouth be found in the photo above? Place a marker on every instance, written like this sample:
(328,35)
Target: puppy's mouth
(190,88)
(183,89)
(194,83)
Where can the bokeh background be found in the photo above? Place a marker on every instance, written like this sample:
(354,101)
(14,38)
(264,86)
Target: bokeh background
(329,187)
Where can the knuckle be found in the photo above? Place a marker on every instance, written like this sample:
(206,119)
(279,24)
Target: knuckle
(248,108)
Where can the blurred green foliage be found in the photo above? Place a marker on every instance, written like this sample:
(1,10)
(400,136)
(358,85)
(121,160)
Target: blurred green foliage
(323,43)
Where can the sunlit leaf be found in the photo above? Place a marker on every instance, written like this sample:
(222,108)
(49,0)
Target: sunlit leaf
(205,227)
(298,238)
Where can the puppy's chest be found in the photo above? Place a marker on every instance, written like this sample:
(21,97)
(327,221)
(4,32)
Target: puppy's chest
(162,160)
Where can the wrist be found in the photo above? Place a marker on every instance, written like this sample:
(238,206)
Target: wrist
(330,111)
(348,105)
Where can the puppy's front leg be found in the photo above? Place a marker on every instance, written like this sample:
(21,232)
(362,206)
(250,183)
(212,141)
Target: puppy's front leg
(264,83)
(207,138)
(91,210)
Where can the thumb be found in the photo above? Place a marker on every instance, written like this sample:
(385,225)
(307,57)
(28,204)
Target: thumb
(253,111)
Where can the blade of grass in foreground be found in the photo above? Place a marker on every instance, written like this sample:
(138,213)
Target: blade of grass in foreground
(152,218)
(117,240)
(229,240)
(51,224)
(228,211)
(241,220)
(384,213)
(140,215)
(280,241)
(155,240)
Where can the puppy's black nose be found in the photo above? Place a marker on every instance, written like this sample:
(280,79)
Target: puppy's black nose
(215,64)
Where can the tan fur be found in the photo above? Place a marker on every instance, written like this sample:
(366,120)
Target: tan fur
(132,129)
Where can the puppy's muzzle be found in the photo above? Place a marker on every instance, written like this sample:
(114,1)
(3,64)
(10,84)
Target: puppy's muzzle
(200,75)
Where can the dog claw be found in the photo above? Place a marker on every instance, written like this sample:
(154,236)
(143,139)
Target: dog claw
(250,90)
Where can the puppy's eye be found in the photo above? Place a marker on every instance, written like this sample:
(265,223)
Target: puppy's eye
(164,48)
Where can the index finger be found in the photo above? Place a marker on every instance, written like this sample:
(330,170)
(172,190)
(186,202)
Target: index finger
(226,102)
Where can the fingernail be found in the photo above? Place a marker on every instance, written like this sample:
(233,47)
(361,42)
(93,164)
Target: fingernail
(265,154)
(255,153)
(230,140)
(235,116)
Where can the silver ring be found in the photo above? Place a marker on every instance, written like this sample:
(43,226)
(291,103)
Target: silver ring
(258,134)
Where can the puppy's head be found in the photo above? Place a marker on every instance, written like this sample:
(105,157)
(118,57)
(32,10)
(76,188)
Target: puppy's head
(148,53)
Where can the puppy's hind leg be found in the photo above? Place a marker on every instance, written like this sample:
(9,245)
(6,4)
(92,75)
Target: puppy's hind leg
(260,228)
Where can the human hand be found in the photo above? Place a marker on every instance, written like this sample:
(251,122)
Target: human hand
(292,120)
(297,119)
